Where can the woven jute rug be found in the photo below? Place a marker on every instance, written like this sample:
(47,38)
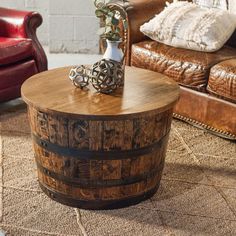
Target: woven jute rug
(197,195)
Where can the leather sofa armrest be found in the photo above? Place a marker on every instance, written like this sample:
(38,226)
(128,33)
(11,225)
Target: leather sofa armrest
(139,12)
(23,24)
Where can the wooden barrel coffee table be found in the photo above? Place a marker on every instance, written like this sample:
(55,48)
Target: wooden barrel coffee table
(97,151)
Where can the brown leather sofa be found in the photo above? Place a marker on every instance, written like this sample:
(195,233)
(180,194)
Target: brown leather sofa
(207,80)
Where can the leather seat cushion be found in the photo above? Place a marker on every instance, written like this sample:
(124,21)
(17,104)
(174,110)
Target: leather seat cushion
(13,50)
(189,68)
(16,74)
(222,80)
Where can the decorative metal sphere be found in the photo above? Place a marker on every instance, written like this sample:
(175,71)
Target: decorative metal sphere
(79,77)
(107,75)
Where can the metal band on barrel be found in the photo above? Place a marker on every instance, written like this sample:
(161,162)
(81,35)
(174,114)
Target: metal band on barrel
(82,154)
(88,183)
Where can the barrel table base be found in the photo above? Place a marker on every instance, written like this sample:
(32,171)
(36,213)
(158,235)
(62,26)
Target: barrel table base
(99,163)
(97,204)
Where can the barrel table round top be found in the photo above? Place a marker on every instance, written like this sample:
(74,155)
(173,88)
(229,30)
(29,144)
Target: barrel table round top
(143,91)
(100,151)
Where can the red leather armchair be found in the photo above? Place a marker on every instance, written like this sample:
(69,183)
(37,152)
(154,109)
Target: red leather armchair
(21,54)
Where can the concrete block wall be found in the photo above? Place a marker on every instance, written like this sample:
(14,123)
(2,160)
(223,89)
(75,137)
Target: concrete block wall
(73,26)
(42,6)
(69,25)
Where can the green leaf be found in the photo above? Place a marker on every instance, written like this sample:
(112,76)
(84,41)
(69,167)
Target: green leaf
(118,30)
(101,5)
(108,21)
(107,1)
(111,13)
(116,37)
(98,2)
(101,31)
(108,29)
(125,24)
(114,21)
(99,13)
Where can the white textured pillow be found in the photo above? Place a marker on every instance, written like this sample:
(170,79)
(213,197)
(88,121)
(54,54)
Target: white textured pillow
(221,4)
(232,6)
(186,25)
(229,5)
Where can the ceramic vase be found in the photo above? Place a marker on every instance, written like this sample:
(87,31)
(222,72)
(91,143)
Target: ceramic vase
(113,52)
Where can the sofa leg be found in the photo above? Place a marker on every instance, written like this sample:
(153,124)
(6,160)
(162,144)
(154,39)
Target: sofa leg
(218,132)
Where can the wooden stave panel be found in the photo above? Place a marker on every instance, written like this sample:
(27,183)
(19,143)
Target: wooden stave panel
(103,194)
(158,163)
(63,164)
(79,173)
(98,204)
(42,128)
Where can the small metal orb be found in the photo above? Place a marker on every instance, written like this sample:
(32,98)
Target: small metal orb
(78,76)
(107,75)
